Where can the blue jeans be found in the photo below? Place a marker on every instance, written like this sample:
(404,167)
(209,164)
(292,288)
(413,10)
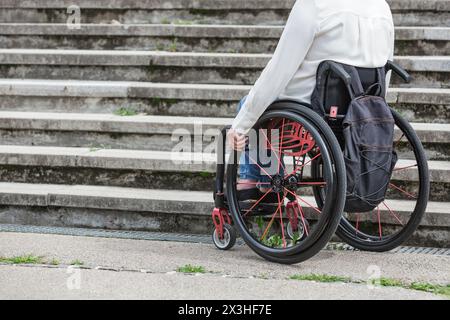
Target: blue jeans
(248,170)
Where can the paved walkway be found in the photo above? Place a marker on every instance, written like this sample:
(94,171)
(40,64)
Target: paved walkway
(121,269)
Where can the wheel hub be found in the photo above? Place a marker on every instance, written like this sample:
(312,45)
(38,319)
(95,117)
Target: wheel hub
(292,182)
(278,183)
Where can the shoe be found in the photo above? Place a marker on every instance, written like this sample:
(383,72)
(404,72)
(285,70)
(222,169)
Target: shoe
(248,195)
(248,198)
(270,198)
(253,195)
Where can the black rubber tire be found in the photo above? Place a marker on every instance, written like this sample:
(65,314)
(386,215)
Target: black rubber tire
(339,193)
(347,232)
(232,234)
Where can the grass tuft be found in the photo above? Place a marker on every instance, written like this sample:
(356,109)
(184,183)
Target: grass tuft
(173,47)
(320,278)
(418,286)
(387,282)
(76,263)
(97,147)
(206,175)
(125,112)
(191,269)
(54,262)
(433,288)
(25,259)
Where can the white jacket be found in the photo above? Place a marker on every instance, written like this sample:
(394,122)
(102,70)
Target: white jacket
(355,32)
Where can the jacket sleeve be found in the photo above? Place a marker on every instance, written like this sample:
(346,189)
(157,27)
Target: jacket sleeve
(294,44)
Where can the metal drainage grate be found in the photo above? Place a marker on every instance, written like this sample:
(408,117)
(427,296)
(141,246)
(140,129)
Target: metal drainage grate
(410,250)
(179,237)
(101,233)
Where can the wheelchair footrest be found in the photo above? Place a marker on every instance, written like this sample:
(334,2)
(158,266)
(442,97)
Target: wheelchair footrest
(262,209)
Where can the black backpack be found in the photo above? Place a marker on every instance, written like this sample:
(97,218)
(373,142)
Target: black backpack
(365,129)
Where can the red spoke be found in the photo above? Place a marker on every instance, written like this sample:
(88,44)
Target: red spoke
(379,223)
(256,203)
(303,165)
(281,221)
(393,213)
(403,168)
(253,183)
(271,221)
(273,150)
(303,220)
(398,141)
(304,201)
(298,160)
(403,191)
(312,183)
(357,223)
(259,166)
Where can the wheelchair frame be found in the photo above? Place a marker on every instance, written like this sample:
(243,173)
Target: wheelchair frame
(221,216)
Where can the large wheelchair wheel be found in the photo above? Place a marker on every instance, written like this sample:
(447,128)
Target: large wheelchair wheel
(396,218)
(293,228)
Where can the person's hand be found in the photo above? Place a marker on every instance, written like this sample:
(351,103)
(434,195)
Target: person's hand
(236,140)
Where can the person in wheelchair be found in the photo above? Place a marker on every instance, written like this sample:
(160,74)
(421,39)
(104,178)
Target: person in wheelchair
(318,145)
(357,33)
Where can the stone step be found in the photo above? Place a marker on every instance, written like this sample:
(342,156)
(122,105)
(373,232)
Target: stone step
(144,132)
(416,104)
(178,67)
(139,132)
(414,5)
(405,12)
(157,161)
(191,38)
(156,210)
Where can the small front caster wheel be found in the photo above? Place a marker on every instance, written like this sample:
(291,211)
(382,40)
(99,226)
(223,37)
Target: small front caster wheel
(298,234)
(228,240)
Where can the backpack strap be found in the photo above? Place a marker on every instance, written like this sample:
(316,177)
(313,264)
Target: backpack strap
(381,73)
(356,86)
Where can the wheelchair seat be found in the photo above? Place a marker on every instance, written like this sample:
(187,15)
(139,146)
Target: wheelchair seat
(335,81)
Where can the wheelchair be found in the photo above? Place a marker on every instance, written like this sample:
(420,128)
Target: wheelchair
(305,172)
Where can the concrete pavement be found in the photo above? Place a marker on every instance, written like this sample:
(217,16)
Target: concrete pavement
(59,283)
(125,269)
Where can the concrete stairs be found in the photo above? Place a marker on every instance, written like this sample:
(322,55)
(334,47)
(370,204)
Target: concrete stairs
(178,67)
(206,100)
(253,12)
(189,38)
(87,116)
(128,208)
